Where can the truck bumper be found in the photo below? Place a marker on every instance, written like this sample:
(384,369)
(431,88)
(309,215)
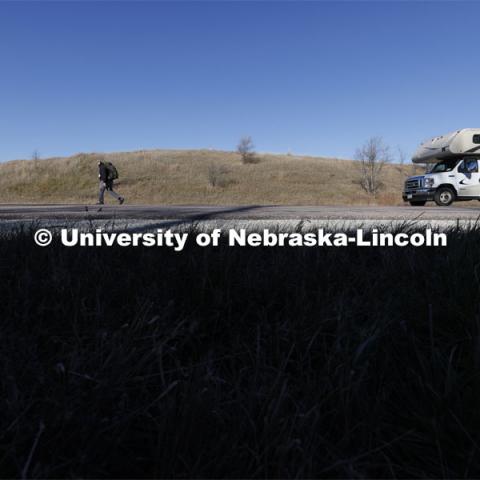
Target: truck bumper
(419,195)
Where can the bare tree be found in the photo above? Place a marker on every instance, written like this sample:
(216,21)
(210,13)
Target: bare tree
(372,157)
(246,149)
(401,155)
(35,160)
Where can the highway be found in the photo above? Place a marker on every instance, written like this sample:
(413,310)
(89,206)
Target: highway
(253,212)
(144,216)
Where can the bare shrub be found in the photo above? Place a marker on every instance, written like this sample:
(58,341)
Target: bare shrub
(218,175)
(246,149)
(372,157)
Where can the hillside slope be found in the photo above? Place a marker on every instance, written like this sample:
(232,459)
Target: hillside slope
(198,177)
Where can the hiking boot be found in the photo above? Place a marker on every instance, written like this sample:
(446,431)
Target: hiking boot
(121,200)
(99,203)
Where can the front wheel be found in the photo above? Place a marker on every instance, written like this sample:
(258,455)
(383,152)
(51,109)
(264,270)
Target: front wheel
(444,196)
(417,203)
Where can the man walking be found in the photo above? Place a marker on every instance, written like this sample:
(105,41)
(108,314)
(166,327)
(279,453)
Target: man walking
(106,183)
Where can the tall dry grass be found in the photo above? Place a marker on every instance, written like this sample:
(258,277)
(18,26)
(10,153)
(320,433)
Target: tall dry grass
(229,362)
(185,177)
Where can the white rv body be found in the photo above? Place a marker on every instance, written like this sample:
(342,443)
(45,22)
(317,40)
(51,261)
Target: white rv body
(456,173)
(460,142)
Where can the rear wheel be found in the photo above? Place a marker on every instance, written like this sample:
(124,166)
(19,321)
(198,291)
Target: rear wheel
(444,196)
(417,203)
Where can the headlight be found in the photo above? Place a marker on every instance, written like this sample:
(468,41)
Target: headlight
(428,182)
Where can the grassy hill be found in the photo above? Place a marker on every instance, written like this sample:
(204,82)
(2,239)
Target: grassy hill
(198,177)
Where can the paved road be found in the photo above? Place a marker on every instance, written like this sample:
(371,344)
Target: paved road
(239,212)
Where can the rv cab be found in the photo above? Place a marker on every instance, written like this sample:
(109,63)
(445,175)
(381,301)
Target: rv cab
(453,173)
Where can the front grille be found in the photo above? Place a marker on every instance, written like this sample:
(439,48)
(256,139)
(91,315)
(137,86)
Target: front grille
(413,184)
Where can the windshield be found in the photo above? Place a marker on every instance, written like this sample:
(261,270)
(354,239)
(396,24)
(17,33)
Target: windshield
(445,166)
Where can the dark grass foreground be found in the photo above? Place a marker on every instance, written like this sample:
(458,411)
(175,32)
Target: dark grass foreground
(240,362)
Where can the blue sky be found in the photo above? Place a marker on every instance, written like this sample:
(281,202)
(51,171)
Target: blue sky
(310,77)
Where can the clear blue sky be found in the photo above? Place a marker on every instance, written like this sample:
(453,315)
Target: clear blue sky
(313,77)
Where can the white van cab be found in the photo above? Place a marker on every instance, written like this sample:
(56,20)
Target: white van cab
(455,171)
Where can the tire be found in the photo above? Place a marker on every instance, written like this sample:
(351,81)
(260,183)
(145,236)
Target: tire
(416,203)
(444,196)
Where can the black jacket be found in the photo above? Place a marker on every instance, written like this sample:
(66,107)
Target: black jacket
(103,173)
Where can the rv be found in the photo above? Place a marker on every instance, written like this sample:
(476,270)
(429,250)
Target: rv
(454,173)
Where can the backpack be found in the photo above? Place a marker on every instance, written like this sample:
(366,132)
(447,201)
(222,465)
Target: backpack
(112,172)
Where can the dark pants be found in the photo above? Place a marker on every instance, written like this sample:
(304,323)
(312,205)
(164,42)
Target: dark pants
(108,186)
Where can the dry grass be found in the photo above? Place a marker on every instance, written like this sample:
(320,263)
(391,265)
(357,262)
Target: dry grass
(228,362)
(185,177)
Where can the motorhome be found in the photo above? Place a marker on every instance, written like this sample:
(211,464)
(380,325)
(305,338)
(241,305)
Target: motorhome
(453,173)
